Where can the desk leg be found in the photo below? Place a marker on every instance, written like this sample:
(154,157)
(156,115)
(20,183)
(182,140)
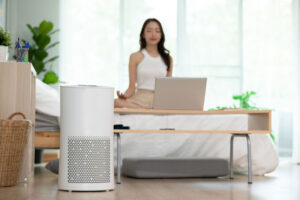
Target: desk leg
(118,158)
(231,156)
(249,156)
(249,160)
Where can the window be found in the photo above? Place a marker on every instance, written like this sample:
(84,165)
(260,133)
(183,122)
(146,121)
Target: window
(212,32)
(239,45)
(90,42)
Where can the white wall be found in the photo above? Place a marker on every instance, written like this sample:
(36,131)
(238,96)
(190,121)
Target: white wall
(22,12)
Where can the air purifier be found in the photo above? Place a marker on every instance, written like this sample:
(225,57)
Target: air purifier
(86,138)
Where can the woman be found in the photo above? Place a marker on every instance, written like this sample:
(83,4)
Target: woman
(151,61)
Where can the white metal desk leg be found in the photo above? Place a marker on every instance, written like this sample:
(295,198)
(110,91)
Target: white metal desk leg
(231,156)
(249,160)
(249,156)
(118,158)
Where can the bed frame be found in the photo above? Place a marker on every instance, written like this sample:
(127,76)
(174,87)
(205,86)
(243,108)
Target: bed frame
(259,122)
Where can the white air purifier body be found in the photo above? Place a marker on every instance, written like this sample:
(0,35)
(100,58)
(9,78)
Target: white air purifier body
(86,138)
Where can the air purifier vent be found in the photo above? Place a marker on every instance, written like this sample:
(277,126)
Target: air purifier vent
(88,159)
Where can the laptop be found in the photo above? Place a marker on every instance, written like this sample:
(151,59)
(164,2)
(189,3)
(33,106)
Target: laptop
(179,93)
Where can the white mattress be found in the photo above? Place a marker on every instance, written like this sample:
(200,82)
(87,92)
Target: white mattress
(200,145)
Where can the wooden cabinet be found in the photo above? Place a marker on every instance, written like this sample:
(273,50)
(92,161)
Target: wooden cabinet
(17,94)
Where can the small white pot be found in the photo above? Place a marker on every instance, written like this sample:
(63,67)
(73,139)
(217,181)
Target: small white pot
(3,53)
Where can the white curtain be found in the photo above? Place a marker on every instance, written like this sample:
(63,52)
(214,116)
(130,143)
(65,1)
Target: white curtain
(269,61)
(239,45)
(296,83)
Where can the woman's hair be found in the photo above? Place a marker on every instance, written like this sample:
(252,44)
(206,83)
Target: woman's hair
(164,53)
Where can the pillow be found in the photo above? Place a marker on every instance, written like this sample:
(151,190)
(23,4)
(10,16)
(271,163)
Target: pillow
(174,167)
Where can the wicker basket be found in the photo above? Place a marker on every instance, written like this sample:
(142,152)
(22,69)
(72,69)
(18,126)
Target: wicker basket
(13,138)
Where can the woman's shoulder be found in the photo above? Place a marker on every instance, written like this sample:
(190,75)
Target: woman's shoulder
(137,56)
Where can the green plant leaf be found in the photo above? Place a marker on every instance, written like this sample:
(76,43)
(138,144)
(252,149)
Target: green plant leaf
(45,27)
(51,33)
(52,59)
(31,53)
(38,65)
(244,99)
(272,137)
(42,41)
(34,31)
(50,77)
(5,38)
(52,45)
(235,97)
(41,54)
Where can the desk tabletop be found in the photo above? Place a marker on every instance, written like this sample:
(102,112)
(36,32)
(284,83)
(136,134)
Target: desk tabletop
(167,112)
(191,131)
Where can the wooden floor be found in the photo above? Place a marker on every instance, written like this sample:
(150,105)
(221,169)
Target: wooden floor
(284,183)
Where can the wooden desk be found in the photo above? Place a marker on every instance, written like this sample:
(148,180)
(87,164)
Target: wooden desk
(259,122)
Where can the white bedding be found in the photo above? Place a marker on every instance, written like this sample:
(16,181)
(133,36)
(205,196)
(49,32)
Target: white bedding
(47,99)
(264,156)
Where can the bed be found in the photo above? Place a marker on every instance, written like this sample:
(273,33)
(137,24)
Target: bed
(264,156)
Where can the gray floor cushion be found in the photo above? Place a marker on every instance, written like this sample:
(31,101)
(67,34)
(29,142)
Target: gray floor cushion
(53,166)
(174,167)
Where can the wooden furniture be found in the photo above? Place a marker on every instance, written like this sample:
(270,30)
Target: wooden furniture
(17,94)
(46,140)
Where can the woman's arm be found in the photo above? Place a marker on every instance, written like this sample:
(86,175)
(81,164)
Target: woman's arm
(132,77)
(170,72)
(133,62)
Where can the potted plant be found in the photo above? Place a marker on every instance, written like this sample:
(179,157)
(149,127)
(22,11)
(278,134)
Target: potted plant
(38,50)
(5,42)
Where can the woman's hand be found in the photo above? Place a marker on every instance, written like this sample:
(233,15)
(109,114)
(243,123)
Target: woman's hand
(120,95)
(129,93)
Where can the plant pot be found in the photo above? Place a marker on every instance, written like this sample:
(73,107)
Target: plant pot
(3,53)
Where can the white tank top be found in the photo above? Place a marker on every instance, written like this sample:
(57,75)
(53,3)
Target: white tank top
(148,69)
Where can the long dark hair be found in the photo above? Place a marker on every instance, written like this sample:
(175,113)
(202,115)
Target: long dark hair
(164,53)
